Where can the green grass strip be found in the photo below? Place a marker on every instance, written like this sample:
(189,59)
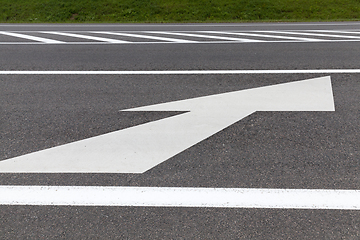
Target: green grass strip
(136,11)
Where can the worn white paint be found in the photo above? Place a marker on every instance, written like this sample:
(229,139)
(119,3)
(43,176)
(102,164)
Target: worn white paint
(140,148)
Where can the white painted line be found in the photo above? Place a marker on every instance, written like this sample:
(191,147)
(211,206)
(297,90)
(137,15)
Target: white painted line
(180,197)
(77,43)
(182,25)
(337,31)
(265,36)
(180,72)
(194,42)
(39,39)
(148,37)
(87,37)
(140,148)
(314,34)
(208,36)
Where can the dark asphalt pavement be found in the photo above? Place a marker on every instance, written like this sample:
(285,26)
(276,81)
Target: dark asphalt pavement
(298,150)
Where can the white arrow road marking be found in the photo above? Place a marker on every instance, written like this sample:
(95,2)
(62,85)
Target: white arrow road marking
(138,149)
(180,197)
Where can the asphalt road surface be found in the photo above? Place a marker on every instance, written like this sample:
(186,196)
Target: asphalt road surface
(316,150)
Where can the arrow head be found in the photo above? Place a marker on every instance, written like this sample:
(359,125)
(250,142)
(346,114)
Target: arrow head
(307,95)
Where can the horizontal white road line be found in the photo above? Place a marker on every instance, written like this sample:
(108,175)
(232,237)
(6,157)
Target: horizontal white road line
(87,37)
(208,36)
(179,72)
(33,38)
(147,36)
(180,197)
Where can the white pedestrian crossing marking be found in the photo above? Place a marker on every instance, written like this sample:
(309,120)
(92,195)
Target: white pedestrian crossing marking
(87,37)
(147,36)
(209,36)
(39,39)
(335,31)
(265,36)
(196,37)
(316,34)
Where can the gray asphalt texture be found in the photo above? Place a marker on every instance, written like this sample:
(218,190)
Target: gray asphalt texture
(312,150)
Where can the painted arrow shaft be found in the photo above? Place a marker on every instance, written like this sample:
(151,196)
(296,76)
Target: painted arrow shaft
(139,148)
(132,150)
